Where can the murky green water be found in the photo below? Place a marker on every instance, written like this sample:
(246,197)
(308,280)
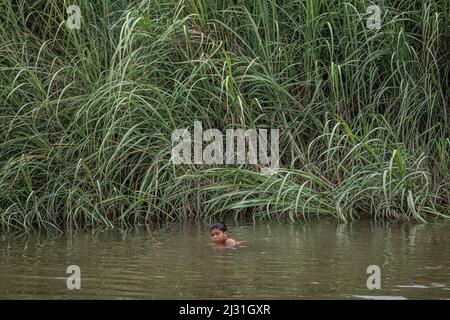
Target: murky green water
(280,261)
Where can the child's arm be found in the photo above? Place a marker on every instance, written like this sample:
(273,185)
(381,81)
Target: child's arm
(232,243)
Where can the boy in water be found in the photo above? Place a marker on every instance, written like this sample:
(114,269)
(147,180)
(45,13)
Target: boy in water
(220,236)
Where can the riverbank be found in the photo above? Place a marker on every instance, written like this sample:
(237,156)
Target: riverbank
(87,114)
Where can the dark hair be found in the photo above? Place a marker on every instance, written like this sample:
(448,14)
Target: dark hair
(220,225)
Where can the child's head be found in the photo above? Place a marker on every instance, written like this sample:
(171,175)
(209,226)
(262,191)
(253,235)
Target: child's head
(219,233)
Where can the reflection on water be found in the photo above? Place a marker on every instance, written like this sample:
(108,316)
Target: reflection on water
(382,297)
(277,261)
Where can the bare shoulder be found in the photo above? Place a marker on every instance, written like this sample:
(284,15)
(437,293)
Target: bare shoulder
(232,243)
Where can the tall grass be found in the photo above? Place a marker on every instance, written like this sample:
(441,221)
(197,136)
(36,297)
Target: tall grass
(86,115)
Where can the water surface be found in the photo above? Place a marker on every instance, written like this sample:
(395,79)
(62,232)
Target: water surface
(316,259)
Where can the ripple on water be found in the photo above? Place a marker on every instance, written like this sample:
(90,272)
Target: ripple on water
(381,297)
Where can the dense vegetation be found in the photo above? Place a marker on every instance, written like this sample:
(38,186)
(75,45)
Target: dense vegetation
(86,115)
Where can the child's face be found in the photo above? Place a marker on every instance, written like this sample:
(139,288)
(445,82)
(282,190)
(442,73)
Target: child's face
(218,236)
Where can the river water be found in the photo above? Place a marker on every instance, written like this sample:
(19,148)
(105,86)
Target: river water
(311,260)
